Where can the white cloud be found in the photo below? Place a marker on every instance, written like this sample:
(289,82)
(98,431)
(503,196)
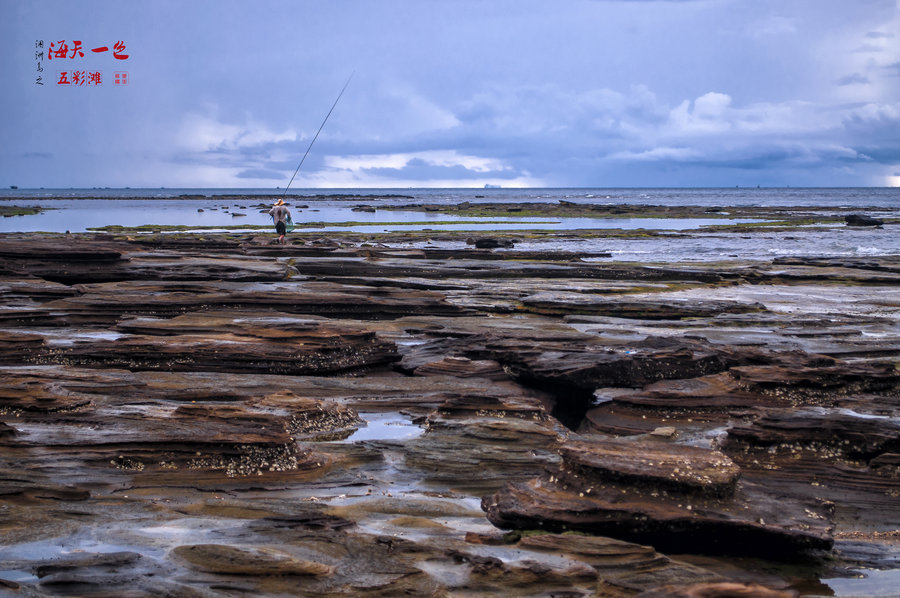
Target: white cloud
(442,158)
(876,113)
(710,115)
(607,128)
(390,170)
(712,104)
(203,132)
(347,179)
(713,114)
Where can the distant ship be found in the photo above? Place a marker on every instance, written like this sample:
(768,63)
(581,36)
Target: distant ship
(13,186)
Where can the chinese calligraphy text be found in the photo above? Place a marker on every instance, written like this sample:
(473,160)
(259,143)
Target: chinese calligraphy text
(39,57)
(76,50)
(80,78)
(62,50)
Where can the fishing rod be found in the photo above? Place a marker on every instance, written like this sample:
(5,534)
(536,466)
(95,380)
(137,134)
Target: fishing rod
(317,135)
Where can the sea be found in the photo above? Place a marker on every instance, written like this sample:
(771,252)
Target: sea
(702,196)
(333,210)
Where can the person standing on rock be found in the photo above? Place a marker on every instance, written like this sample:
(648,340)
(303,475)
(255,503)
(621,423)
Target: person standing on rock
(281,216)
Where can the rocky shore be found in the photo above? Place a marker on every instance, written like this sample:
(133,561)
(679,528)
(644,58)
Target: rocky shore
(215,415)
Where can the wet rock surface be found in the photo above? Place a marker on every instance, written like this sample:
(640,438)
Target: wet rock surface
(669,496)
(208,416)
(862,220)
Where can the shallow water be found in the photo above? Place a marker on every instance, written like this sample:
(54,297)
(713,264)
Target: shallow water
(837,241)
(700,246)
(82,209)
(75,545)
(868,583)
(81,215)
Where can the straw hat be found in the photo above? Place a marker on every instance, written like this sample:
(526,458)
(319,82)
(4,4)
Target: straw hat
(280,202)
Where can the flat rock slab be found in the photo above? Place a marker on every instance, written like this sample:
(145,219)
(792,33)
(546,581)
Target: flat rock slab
(17,346)
(845,456)
(316,354)
(261,560)
(666,504)
(623,566)
(800,384)
(787,380)
(85,561)
(657,464)
(67,250)
(32,288)
(765,525)
(717,392)
(710,398)
(639,309)
(213,341)
(462,367)
(729,589)
(178,267)
(842,431)
(106,259)
(386,392)
(311,419)
(107,302)
(592,365)
(64,421)
(264,324)
(503,439)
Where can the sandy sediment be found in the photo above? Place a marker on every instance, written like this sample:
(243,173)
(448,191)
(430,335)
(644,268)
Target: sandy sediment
(217,415)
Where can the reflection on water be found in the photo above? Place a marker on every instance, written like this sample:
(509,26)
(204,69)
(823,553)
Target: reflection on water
(18,576)
(385,426)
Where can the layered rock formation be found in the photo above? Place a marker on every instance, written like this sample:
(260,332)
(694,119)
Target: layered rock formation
(200,416)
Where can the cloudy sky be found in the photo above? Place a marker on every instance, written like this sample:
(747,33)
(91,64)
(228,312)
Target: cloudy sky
(452,93)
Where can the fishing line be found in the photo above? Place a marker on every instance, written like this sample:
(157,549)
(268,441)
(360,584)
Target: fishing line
(317,135)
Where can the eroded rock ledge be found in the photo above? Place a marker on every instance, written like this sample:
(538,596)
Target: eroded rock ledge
(677,498)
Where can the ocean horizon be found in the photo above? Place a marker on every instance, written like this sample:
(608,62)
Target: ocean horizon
(887,197)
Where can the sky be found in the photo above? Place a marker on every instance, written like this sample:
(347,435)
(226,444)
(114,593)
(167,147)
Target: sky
(450,93)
